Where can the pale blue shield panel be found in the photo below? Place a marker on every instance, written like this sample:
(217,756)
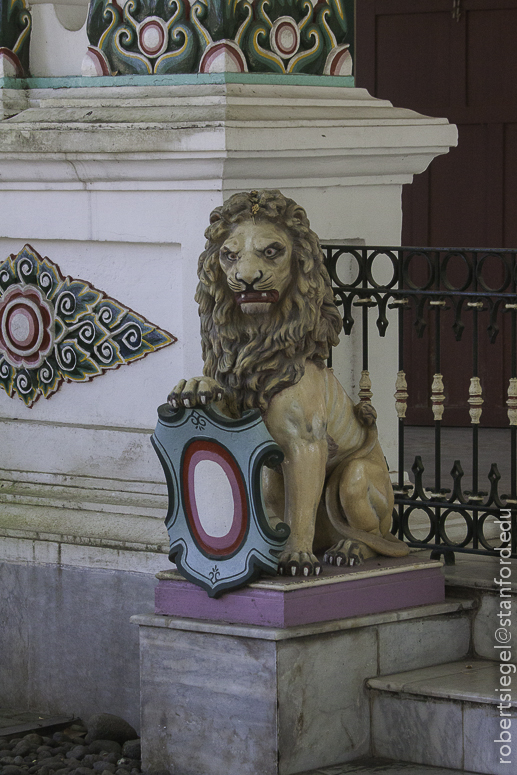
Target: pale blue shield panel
(220,536)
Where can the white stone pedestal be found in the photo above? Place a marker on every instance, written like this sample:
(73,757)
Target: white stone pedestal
(227,699)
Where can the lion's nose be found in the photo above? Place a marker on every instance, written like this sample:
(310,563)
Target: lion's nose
(249,278)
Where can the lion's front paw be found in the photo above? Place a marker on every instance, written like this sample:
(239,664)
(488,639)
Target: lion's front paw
(347,552)
(195,391)
(299,564)
(365,413)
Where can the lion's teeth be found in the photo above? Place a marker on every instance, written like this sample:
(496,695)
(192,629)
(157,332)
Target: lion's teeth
(264,295)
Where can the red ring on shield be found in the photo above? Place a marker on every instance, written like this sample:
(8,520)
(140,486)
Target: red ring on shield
(217,545)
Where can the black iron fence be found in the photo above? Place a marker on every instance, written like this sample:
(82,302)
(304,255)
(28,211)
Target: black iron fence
(442,295)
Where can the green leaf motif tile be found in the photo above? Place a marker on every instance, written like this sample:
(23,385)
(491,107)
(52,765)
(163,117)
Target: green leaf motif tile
(151,37)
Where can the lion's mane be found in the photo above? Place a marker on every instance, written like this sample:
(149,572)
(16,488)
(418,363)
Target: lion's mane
(253,363)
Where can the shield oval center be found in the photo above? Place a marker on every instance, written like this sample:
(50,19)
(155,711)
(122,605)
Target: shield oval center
(215,498)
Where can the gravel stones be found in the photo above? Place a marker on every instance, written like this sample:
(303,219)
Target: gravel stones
(110,746)
(21,749)
(105,726)
(33,739)
(77,752)
(104,767)
(68,753)
(132,749)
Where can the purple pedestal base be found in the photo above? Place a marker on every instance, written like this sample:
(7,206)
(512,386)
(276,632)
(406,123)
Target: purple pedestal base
(382,584)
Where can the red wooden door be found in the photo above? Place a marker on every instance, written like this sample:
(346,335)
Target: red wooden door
(452,58)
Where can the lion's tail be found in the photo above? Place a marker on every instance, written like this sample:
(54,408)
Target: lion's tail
(387,545)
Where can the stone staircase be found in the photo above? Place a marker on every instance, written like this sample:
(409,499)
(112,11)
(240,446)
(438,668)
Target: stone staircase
(441,716)
(376,766)
(80,521)
(446,715)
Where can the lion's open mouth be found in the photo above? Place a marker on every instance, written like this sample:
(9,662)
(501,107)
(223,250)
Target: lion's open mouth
(247,297)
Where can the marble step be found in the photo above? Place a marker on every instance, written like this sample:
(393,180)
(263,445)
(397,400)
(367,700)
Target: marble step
(17,723)
(92,512)
(40,478)
(447,715)
(480,578)
(378,766)
(85,498)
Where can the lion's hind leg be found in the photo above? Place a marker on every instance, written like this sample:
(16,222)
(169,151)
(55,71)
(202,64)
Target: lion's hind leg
(359,501)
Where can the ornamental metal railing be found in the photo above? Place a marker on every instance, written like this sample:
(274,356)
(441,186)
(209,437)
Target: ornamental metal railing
(439,289)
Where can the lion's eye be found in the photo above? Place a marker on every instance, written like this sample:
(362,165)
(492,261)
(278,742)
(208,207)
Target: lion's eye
(229,256)
(270,252)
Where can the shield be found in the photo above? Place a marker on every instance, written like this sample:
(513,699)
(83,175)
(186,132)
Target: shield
(220,536)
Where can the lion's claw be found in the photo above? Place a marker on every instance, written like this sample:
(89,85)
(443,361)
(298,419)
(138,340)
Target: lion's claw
(195,392)
(299,564)
(347,552)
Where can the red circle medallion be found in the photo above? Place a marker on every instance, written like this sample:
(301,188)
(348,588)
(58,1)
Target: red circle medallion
(152,37)
(284,37)
(26,326)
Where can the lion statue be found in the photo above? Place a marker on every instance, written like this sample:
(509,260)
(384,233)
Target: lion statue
(268,320)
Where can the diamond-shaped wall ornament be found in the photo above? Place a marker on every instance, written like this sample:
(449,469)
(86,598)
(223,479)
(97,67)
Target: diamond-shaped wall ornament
(55,329)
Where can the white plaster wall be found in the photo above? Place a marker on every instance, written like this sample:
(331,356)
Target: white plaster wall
(116,186)
(128,245)
(143,253)
(56,50)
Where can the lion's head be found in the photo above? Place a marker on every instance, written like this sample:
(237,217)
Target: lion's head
(265,300)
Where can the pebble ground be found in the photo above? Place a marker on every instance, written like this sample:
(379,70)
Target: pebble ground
(67,753)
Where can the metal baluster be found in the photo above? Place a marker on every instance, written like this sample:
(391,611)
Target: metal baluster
(437,399)
(365,383)
(328,261)
(401,395)
(475,401)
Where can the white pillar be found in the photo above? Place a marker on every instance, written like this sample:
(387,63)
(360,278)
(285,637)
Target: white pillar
(116,184)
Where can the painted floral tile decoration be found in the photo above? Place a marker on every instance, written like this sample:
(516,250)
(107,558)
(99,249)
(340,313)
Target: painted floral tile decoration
(56,329)
(165,37)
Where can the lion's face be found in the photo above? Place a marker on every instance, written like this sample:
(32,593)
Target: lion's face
(256,259)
